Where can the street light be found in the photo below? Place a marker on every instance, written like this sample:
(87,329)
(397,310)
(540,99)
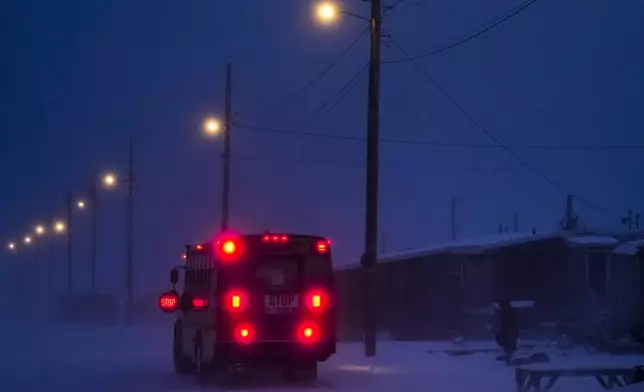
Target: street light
(27,240)
(109,180)
(80,204)
(11,246)
(211,127)
(40,230)
(59,227)
(327,12)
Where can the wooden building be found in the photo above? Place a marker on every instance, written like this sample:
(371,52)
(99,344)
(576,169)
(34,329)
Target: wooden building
(446,289)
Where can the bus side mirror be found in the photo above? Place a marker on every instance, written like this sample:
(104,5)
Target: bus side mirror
(174,276)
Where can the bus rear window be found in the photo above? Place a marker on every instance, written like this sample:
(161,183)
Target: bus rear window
(318,266)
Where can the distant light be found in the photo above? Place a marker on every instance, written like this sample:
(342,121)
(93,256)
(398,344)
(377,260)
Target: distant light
(27,240)
(211,127)
(109,180)
(39,230)
(80,204)
(11,246)
(60,227)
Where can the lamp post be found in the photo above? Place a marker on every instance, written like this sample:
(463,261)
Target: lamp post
(328,12)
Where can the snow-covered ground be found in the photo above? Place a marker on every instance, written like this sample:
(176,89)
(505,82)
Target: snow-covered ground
(82,359)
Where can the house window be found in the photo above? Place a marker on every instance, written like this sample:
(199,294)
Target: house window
(597,271)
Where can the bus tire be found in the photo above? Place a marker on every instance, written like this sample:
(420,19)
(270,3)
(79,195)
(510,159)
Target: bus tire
(305,371)
(202,368)
(182,365)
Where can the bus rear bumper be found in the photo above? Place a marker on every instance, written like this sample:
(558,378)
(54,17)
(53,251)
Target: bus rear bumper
(271,352)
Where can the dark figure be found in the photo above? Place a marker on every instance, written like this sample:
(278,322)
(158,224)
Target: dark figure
(508,333)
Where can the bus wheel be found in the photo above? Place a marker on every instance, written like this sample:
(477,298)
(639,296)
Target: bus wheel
(182,365)
(305,371)
(201,367)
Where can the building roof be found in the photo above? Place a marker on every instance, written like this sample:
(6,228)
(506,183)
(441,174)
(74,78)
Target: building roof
(466,246)
(630,248)
(593,240)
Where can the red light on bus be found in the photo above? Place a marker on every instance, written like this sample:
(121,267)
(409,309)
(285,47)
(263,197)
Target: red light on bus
(308,332)
(229,248)
(317,300)
(236,301)
(199,303)
(244,333)
(283,238)
(169,301)
(184,256)
(322,247)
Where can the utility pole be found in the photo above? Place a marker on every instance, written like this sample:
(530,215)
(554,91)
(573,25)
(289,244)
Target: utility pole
(628,220)
(371,214)
(571,219)
(452,205)
(70,201)
(94,203)
(637,221)
(225,199)
(129,279)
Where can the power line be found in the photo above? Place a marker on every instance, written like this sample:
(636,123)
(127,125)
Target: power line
(405,166)
(482,30)
(347,87)
(313,81)
(496,140)
(440,144)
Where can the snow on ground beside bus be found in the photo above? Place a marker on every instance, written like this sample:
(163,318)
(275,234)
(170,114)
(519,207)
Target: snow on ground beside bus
(78,359)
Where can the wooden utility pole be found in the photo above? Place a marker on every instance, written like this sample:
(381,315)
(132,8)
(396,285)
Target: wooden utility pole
(129,279)
(371,215)
(225,199)
(70,201)
(93,196)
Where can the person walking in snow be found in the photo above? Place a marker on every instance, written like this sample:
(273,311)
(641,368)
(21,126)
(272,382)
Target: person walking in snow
(508,333)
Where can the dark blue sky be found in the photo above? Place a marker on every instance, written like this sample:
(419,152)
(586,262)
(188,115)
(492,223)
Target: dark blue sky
(80,77)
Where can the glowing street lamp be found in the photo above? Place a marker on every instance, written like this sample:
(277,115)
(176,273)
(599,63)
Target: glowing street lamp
(11,246)
(211,127)
(81,204)
(40,230)
(327,12)
(27,240)
(60,227)
(109,180)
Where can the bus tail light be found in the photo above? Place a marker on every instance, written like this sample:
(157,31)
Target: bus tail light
(236,301)
(322,247)
(169,301)
(308,332)
(317,300)
(244,333)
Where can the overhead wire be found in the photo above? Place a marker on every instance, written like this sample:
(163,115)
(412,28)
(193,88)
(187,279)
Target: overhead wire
(319,76)
(483,129)
(348,86)
(439,143)
(482,30)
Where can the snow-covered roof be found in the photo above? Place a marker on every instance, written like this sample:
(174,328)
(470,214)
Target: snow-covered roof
(466,246)
(629,248)
(593,240)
